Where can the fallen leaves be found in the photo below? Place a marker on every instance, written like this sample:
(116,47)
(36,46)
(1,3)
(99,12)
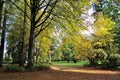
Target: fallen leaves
(60,75)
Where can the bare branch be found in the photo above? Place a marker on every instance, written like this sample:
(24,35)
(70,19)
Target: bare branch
(40,7)
(27,3)
(41,3)
(47,15)
(41,29)
(20,9)
(42,13)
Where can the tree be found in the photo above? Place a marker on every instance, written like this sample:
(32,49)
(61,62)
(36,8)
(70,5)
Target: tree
(38,24)
(40,12)
(70,21)
(3,28)
(1,9)
(14,40)
(17,38)
(111,8)
(68,51)
(101,34)
(42,46)
(3,33)
(21,61)
(1,46)
(103,37)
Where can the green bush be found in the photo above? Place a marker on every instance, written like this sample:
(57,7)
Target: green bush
(44,66)
(13,68)
(113,60)
(97,45)
(100,54)
(99,57)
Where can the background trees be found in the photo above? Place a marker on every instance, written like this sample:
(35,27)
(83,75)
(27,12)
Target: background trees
(39,14)
(48,30)
(4,12)
(111,9)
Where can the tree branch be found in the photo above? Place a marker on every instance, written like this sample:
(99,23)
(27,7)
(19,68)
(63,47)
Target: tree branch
(40,3)
(44,11)
(20,9)
(41,29)
(47,16)
(27,3)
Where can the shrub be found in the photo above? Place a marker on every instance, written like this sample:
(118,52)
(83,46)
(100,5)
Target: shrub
(13,68)
(97,45)
(113,60)
(44,66)
(99,56)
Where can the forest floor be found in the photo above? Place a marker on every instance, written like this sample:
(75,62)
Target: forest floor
(62,73)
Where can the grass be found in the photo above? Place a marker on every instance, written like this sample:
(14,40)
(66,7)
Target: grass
(14,68)
(70,64)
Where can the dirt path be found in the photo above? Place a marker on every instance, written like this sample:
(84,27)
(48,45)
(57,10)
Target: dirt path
(84,70)
(61,73)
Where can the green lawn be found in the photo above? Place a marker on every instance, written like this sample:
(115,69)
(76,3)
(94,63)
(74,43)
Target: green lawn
(71,64)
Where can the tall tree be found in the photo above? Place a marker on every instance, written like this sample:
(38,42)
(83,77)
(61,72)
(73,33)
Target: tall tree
(1,49)
(46,6)
(21,61)
(1,8)
(40,12)
(3,34)
(42,46)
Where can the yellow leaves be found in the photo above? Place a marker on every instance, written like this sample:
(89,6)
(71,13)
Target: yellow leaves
(116,1)
(43,42)
(78,41)
(95,1)
(87,45)
(97,44)
(46,42)
(103,21)
(70,11)
(45,46)
(103,25)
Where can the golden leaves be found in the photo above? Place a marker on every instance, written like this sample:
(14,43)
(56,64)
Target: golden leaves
(103,25)
(95,1)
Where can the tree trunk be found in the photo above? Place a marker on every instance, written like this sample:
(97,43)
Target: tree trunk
(21,61)
(30,64)
(1,54)
(36,24)
(50,58)
(3,38)
(1,7)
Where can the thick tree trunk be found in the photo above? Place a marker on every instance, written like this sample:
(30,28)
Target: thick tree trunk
(3,38)
(1,7)
(1,54)
(35,24)
(30,64)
